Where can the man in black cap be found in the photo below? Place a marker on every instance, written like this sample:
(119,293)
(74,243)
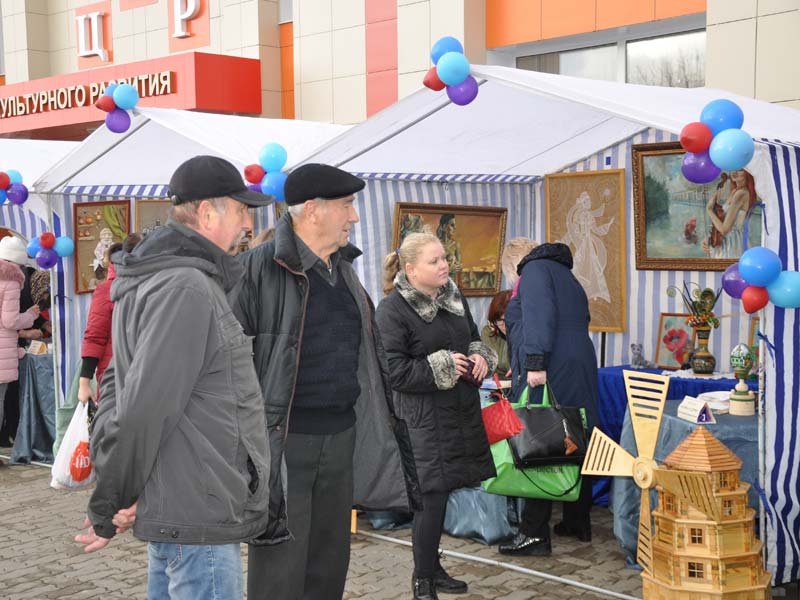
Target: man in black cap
(179,438)
(334,440)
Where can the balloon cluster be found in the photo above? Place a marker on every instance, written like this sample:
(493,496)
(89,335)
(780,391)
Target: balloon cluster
(716,143)
(758,278)
(47,249)
(117,100)
(12,188)
(266,176)
(451,71)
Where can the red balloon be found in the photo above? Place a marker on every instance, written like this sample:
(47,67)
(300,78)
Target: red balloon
(754,298)
(47,240)
(433,82)
(254,173)
(106,103)
(696,137)
(5,180)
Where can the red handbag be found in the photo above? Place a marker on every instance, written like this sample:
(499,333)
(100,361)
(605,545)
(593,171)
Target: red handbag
(499,418)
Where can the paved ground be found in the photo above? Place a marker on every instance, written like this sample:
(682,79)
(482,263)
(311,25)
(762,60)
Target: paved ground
(38,559)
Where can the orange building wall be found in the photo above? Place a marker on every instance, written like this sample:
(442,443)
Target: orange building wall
(520,21)
(381,41)
(287,70)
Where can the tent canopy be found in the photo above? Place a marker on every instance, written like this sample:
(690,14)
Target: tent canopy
(529,123)
(160,139)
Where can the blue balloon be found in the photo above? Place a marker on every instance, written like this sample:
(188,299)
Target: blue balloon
(14,175)
(760,266)
(3,197)
(110,89)
(273,183)
(722,114)
(272,157)
(445,45)
(126,96)
(732,149)
(452,68)
(785,290)
(64,246)
(34,246)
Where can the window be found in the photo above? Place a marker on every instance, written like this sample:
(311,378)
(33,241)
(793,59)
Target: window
(672,61)
(696,570)
(727,508)
(696,535)
(599,62)
(724,480)
(669,503)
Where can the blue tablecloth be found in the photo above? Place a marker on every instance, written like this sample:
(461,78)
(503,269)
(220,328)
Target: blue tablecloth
(613,404)
(37,413)
(739,434)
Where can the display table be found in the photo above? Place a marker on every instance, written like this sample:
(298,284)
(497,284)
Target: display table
(37,425)
(739,434)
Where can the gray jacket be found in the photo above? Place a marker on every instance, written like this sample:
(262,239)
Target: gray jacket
(181,426)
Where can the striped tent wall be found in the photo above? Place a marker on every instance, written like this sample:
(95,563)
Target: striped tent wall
(782,373)
(373,232)
(647,290)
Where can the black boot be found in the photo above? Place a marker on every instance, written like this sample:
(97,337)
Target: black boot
(424,589)
(584,534)
(522,545)
(448,585)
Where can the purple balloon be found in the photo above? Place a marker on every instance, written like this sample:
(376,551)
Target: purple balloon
(118,120)
(255,187)
(732,281)
(699,168)
(463,93)
(46,258)
(17,193)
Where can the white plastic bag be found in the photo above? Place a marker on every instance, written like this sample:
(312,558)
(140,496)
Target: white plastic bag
(72,468)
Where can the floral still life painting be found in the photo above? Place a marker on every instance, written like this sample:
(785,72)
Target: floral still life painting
(675,340)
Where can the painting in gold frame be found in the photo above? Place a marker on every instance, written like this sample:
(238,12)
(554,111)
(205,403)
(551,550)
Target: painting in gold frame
(473,237)
(586,211)
(674,342)
(96,225)
(752,337)
(151,214)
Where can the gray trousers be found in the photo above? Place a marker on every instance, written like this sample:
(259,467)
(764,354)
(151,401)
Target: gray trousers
(313,566)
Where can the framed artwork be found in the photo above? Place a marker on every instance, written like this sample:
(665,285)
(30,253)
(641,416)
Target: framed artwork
(151,214)
(679,225)
(97,225)
(675,340)
(586,211)
(752,337)
(473,238)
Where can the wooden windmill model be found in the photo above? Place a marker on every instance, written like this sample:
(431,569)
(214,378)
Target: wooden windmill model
(703,545)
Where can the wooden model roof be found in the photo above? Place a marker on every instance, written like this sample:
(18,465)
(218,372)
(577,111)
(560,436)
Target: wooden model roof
(701,451)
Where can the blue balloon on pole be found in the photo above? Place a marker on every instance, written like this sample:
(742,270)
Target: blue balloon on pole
(64,246)
(34,246)
(126,96)
(732,149)
(110,89)
(785,290)
(273,183)
(452,68)
(3,197)
(14,176)
(445,45)
(722,114)
(760,266)
(272,157)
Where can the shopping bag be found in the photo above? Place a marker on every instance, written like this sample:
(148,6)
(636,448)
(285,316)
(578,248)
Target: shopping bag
(499,418)
(474,514)
(72,468)
(552,433)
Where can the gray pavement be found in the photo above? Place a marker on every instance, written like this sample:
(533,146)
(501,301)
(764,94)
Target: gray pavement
(39,560)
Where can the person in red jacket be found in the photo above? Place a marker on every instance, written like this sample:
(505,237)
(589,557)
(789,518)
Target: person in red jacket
(96,348)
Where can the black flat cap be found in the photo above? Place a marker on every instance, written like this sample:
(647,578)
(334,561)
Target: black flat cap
(314,180)
(203,177)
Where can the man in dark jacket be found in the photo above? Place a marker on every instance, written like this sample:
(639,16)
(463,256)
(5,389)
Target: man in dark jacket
(181,430)
(322,370)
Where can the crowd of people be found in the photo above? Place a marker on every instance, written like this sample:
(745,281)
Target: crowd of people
(258,398)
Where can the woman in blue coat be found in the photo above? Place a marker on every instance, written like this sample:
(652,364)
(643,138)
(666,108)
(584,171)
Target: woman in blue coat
(548,333)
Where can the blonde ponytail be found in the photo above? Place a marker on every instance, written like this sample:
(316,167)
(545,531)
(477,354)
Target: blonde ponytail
(407,253)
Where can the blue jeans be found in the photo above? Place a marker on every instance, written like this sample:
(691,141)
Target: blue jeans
(192,572)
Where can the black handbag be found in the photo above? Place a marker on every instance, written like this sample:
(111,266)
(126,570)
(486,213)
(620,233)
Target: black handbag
(553,434)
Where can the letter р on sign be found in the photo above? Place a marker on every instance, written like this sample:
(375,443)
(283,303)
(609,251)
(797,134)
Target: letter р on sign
(185,10)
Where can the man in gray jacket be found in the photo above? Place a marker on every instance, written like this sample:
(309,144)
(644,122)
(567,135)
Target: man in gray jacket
(180,433)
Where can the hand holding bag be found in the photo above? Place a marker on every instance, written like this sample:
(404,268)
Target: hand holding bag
(553,433)
(499,418)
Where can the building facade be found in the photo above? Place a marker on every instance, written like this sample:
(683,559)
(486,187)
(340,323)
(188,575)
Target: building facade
(344,60)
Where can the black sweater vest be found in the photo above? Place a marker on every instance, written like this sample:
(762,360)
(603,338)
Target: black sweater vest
(327,385)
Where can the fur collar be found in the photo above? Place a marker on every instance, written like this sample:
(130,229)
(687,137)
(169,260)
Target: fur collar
(11,271)
(449,298)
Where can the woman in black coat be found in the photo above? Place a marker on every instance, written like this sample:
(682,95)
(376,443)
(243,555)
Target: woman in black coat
(548,332)
(429,336)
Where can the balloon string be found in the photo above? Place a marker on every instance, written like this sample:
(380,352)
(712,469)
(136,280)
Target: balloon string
(770,345)
(746,240)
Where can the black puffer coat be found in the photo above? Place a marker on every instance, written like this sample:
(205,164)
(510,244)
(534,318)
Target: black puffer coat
(443,413)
